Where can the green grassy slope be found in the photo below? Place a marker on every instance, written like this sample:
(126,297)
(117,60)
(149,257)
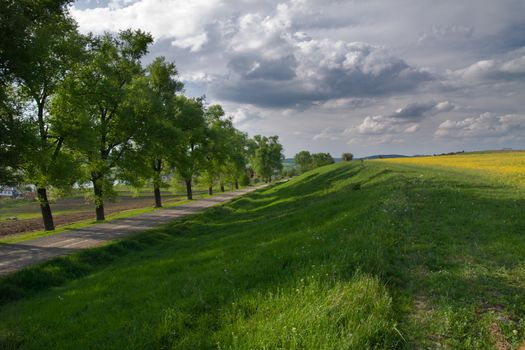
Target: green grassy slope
(348,256)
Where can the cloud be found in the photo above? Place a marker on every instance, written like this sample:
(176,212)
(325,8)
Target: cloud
(193,43)
(179,20)
(376,140)
(244,116)
(267,60)
(388,129)
(486,125)
(270,64)
(403,120)
(440,33)
(328,134)
(302,71)
(347,103)
(313,69)
(491,70)
(196,77)
(417,111)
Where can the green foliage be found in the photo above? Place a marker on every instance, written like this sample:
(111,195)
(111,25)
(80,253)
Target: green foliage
(321,159)
(76,109)
(347,156)
(159,133)
(306,161)
(49,46)
(188,155)
(266,155)
(290,172)
(17,137)
(18,19)
(216,145)
(34,60)
(303,160)
(108,106)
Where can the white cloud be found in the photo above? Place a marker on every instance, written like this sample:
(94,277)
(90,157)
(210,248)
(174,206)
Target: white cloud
(376,140)
(490,70)
(486,125)
(331,134)
(440,33)
(246,115)
(403,120)
(179,20)
(193,43)
(196,77)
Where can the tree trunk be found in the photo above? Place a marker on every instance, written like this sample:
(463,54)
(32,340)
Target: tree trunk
(99,199)
(189,192)
(222,188)
(157,167)
(158,201)
(236,184)
(210,190)
(47,216)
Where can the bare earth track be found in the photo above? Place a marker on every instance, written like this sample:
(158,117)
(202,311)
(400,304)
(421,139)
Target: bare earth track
(17,256)
(79,210)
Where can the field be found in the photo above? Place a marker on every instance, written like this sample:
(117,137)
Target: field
(22,215)
(504,167)
(375,254)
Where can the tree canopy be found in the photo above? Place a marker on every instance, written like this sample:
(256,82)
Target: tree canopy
(306,161)
(82,111)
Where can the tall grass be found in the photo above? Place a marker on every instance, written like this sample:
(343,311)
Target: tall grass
(348,256)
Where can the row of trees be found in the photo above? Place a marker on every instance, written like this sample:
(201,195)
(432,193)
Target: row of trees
(78,109)
(305,161)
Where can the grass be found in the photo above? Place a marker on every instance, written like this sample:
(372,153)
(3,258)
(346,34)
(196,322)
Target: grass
(348,256)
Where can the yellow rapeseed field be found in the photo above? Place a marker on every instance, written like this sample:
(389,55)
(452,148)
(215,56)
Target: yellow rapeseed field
(509,166)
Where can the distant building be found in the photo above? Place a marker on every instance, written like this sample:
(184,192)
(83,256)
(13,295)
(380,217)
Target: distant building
(11,192)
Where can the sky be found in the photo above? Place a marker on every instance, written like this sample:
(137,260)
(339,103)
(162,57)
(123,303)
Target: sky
(361,76)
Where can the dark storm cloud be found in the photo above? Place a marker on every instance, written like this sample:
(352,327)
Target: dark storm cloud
(317,71)
(251,66)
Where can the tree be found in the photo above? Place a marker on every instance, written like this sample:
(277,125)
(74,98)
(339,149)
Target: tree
(230,156)
(104,98)
(303,160)
(188,155)
(50,49)
(17,22)
(347,156)
(321,159)
(266,156)
(216,146)
(17,137)
(237,157)
(154,148)
(18,19)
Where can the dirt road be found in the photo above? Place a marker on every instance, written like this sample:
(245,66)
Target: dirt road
(19,255)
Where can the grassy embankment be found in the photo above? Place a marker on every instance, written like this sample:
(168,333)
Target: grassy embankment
(353,255)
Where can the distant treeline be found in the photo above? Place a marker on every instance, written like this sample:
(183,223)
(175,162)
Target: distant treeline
(304,161)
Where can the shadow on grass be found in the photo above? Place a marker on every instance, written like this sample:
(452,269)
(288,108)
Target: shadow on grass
(419,238)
